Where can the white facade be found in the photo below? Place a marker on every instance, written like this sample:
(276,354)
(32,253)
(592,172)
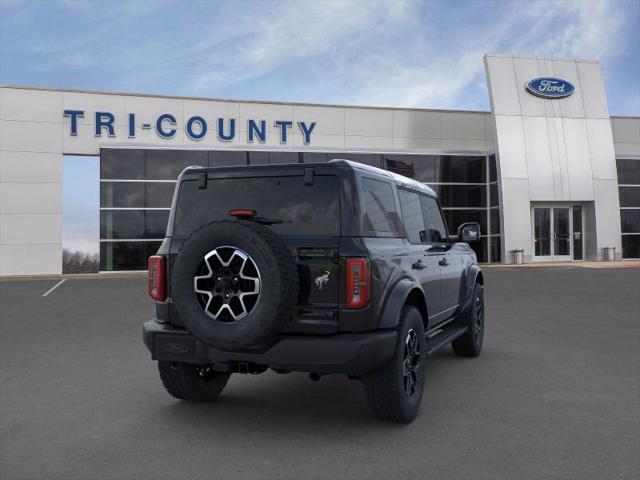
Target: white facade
(559,151)
(548,150)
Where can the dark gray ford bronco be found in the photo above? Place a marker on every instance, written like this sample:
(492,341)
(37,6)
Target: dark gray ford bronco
(323,268)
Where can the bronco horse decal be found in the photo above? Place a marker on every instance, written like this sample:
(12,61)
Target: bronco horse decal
(322,280)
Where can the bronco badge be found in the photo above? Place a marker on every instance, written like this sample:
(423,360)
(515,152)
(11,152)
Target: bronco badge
(322,280)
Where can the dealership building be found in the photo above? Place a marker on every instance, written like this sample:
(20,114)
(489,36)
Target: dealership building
(548,173)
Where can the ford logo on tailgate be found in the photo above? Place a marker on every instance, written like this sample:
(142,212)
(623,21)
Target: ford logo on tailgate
(550,87)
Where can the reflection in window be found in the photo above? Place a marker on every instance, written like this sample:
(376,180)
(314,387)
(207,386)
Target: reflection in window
(470,196)
(436,231)
(628,171)
(167,164)
(312,157)
(133,224)
(631,246)
(379,206)
(159,194)
(122,195)
(494,214)
(455,218)
(629,196)
(122,164)
(227,158)
(630,221)
(156,223)
(121,224)
(496,250)
(413,219)
(493,169)
(126,255)
(283,157)
(258,158)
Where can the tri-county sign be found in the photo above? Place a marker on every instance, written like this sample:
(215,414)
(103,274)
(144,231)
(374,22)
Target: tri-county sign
(196,127)
(550,87)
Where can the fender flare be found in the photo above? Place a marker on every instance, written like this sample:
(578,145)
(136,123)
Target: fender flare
(395,301)
(473,275)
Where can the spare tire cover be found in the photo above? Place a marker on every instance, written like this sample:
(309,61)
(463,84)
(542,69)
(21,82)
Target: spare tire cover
(234,284)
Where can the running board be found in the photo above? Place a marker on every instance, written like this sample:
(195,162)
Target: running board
(442,338)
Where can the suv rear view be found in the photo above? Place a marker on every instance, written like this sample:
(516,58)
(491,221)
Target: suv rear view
(282,267)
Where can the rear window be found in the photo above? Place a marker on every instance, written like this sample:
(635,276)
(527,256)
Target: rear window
(304,209)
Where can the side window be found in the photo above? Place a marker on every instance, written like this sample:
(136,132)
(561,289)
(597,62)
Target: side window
(412,216)
(380,215)
(436,230)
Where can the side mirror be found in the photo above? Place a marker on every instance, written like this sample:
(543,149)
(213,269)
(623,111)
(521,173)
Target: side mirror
(469,232)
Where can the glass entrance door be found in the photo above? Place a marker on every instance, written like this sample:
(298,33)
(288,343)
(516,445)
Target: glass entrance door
(542,233)
(557,233)
(561,234)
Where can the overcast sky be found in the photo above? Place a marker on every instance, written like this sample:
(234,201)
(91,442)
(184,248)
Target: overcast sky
(391,53)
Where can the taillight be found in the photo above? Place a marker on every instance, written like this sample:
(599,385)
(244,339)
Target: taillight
(157,284)
(358,287)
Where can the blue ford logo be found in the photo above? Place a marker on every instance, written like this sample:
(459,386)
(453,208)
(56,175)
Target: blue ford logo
(550,87)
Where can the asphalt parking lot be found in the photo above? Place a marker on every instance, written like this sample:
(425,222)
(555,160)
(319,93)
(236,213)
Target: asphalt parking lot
(555,394)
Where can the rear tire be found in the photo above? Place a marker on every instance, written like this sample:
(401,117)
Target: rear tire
(187,381)
(394,392)
(470,344)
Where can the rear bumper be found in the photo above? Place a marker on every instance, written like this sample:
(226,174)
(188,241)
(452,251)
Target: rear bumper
(352,353)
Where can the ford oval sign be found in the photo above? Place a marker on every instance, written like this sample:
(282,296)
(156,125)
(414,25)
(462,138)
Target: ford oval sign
(550,87)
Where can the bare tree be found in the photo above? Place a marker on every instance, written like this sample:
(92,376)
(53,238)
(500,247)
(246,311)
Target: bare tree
(79,262)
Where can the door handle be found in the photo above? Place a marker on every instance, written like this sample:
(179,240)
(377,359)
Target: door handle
(444,262)
(418,265)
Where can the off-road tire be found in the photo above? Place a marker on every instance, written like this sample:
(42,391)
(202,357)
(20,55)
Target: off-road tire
(470,343)
(190,382)
(279,284)
(384,388)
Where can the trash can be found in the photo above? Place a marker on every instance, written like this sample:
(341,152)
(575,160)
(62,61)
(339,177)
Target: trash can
(610,253)
(518,257)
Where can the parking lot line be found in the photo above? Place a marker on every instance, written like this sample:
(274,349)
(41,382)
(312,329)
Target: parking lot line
(54,287)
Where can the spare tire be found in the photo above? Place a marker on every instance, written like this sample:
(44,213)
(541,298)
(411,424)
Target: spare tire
(234,284)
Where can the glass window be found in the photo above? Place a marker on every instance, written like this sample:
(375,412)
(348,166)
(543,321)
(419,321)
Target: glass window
(122,194)
(631,246)
(372,159)
(494,215)
(312,157)
(126,255)
(122,164)
(227,158)
(628,171)
(121,224)
(380,215)
(494,199)
(455,218)
(472,196)
(420,167)
(493,169)
(133,224)
(167,164)
(258,158)
(629,196)
(284,157)
(412,216)
(156,223)
(461,169)
(159,195)
(496,252)
(436,230)
(630,221)
(305,209)
(481,249)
